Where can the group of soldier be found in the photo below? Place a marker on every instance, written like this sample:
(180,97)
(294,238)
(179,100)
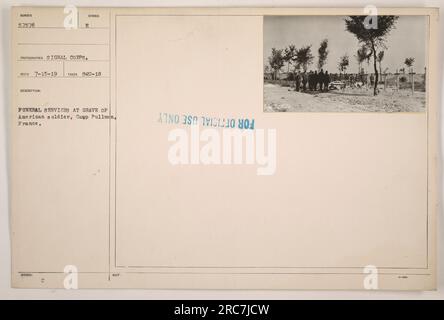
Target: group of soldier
(313,80)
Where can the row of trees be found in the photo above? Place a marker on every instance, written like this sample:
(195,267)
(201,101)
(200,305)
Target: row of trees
(364,54)
(371,37)
(297,59)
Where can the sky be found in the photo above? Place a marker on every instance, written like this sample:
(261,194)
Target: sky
(409,39)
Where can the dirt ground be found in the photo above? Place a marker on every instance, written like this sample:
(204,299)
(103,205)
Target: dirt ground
(285,99)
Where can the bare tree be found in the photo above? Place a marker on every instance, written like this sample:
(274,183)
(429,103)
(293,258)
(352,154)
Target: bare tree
(409,63)
(288,55)
(374,38)
(276,61)
(343,63)
(323,53)
(380,58)
(363,54)
(304,57)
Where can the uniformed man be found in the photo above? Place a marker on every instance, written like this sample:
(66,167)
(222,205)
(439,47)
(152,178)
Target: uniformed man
(326,80)
(315,80)
(321,80)
(304,80)
(298,81)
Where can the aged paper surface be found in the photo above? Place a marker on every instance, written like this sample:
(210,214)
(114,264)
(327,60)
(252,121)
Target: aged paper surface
(114,186)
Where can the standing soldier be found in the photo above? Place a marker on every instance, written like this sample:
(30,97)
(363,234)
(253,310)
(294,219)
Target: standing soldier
(298,81)
(321,80)
(326,80)
(304,80)
(310,80)
(315,80)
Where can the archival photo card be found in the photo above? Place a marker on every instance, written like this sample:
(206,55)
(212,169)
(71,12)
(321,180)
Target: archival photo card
(148,148)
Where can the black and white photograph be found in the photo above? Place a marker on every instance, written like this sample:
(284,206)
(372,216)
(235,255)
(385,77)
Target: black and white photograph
(345,63)
(222,159)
